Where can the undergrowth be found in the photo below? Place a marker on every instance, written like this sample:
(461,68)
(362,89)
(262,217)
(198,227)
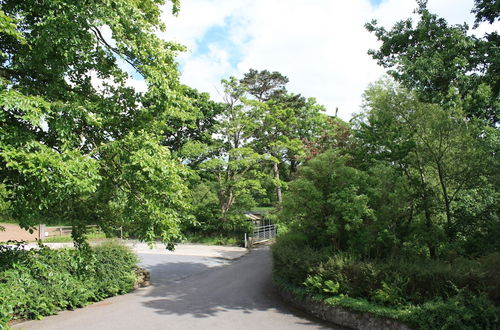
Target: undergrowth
(39,282)
(424,294)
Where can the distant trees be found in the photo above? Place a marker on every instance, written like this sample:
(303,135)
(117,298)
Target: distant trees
(283,121)
(262,135)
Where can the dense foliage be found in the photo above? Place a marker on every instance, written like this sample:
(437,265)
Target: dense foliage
(444,64)
(78,144)
(402,217)
(37,283)
(263,133)
(395,212)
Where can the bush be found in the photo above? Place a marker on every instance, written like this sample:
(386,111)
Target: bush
(293,258)
(460,312)
(428,294)
(37,283)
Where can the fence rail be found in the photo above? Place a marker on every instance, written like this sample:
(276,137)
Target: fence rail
(261,234)
(56,231)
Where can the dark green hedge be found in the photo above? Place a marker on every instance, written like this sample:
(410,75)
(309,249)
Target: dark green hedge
(425,294)
(41,282)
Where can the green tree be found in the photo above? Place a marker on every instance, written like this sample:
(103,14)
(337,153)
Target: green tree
(442,63)
(437,151)
(283,121)
(327,202)
(190,137)
(486,10)
(264,85)
(66,107)
(236,167)
(283,125)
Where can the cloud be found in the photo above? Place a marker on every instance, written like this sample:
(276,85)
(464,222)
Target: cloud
(320,45)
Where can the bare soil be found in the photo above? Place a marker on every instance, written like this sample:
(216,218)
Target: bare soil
(15,233)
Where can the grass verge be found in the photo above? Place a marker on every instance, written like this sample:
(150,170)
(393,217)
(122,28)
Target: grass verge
(69,239)
(212,240)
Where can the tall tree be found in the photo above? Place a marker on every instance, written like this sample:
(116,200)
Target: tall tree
(284,121)
(283,125)
(264,85)
(65,105)
(435,148)
(236,167)
(442,63)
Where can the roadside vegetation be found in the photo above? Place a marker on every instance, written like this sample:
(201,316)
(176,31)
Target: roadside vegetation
(394,212)
(214,240)
(400,217)
(40,282)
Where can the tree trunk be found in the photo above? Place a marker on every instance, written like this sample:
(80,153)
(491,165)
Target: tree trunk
(294,166)
(226,200)
(428,224)
(427,207)
(276,173)
(446,198)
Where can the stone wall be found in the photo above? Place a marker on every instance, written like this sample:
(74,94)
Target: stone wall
(142,277)
(341,316)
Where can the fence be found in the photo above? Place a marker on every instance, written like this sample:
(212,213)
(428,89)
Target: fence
(261,234)
(56,231)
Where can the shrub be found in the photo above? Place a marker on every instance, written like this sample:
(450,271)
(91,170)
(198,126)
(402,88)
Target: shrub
(114,268)
(294,259)
(37,283)
(427,294)
(460,312)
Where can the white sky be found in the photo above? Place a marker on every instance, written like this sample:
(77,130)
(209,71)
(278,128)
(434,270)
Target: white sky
(321,45)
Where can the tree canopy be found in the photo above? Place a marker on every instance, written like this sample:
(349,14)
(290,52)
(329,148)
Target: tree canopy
(68,115)
(442,63)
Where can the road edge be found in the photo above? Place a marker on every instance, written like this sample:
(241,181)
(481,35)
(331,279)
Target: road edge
(338,315)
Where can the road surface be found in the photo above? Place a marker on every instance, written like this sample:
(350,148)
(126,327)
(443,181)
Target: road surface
(192,292)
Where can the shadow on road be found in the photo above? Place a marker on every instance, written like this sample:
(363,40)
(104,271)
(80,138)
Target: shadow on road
(244,286)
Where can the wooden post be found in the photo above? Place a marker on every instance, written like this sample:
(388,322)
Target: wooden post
(41,232)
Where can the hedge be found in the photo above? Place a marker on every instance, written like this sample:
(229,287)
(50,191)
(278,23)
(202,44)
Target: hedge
(39,282)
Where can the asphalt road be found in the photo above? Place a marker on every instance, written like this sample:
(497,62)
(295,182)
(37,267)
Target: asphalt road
(191,292)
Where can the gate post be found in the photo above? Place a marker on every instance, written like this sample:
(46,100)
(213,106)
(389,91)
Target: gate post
(41,231)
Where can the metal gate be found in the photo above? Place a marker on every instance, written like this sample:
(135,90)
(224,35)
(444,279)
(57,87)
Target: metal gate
(260,234)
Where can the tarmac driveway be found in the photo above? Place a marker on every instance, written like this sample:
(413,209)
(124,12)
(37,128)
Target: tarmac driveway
(192,292)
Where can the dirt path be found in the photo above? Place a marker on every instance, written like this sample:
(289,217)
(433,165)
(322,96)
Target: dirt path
(16,233)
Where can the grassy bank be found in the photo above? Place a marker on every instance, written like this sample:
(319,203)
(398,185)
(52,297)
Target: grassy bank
(69,239)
